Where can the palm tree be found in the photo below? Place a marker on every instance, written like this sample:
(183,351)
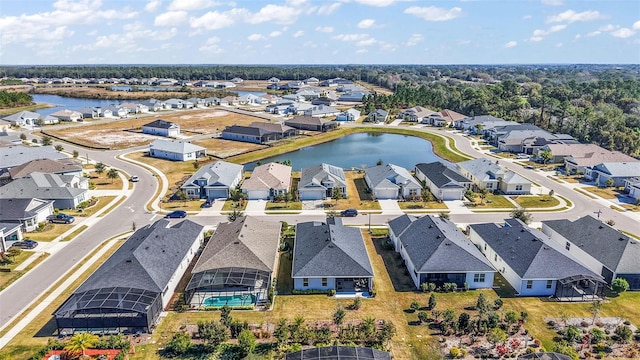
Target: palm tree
(80,343)
(100,167)
(112,174)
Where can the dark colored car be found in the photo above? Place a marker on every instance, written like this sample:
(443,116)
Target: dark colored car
(176,214)
(349,213)
(207,204)
(60,219)
(25,244)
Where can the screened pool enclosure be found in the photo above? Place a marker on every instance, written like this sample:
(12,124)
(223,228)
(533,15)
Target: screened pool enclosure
(233,286)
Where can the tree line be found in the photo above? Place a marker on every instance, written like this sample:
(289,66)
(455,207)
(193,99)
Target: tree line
(14,99)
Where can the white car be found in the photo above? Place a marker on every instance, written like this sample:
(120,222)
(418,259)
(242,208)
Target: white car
(134,178)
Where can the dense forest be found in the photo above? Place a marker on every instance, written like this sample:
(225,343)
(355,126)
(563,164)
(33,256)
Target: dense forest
(14,99)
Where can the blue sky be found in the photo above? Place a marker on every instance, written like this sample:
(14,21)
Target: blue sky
(319,32)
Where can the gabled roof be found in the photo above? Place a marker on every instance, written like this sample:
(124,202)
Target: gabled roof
(482,169)
(66,113)
(307,120)
(21,116)
(596,156)
(619,169)
(441,175)
(314,176)
(11,156)
(220,173)
(148,259)
(246,243)
(275,127)
(436,245)
(529,252)
(161,124)
(44,166)
(329,249)
(40,185)
(175,146)
(247,130)
(450,115)
(391,175)
(20,209)
(269,176)
(615,250)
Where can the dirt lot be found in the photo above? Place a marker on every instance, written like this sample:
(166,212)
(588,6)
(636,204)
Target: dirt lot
(225,148)
(119,134)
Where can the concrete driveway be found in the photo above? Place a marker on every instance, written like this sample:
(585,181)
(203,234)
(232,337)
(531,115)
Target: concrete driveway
(390,207)
(255,207)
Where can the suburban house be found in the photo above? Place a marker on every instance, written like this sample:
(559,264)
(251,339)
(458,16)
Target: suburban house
(355,96)
(479,124)
(251,134)
(214,181)
(488,175)
(282,130)
(632,187)
(23,118)
(616,172)
(268,181)
(390,181)
(16,155)
(528,140)
(237,266)
(416,114)
(66,166)
(49,120)
(25,212)
(331,256)
(451,117)
(559,152)
(435,251)
(66,191)
(116,111)
(162,128)
(134,285)
(176,150)
(577,163)
(311,81)
(444,182)
(321,111)
(311,123)
(67,115)
(155,104)
(532,263)
(377,116)
(603,249)
(318,182)
(89,113)
(348,115)
(9,233)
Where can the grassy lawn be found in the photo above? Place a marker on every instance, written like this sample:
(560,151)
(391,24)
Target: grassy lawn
(102,201)
(358,195)
(416,205)
(50,232)
(292,205)
(75,233)
(6,278)
(225,148)
(15,110)
(585,193)
(102,182)
(606,193)
(536,201)
(492,202)
(186,205)
(631,207)
(231,205)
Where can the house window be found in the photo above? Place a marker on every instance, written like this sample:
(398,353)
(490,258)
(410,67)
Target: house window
(478,277)
(490,186)
(518,187)
(413,192)
(549,283)
(567,245)
(324,281)
(529,284)
(305,282)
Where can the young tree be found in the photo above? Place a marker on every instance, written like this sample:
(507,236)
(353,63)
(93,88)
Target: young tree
(414,306)
(336,194)
(483,195)
(619,285)
(213,333)
(545,155)
(623,333)
(609,182)
(594,309)
(23,136)
(196,165)
(75,154)
(46,140)
(496,336)
(432,301)
(100,168)
(179,344)
(246,341)
(112,174)
(522,215)
(423,317)
(426,195)
(225,315)
(482,304)
(338,316)
(281,332)
(79,343)
(234,215)
(59,147)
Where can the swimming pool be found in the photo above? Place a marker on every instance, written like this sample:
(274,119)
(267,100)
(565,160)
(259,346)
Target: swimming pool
(233,300)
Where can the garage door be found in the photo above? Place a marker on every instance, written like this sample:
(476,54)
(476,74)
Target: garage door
(451,195)
(217,193)
(387,193)
(258,194)
(311,195)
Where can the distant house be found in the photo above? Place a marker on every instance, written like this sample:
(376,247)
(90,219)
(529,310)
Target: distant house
(311,123)
(531,263)
(435,251)
(282,130)
(616,172)
(451,117)
(311,81)
(15,155)
(23,118)
(161,128)
(488,175)
(479,124)
(390,181)
(352,97)
(273,80)
(330,256)
(213,181)
(417,114)
(378,116)
(632,187)
(134,285)
(321,111)
(251,134)
(603,249)
(49,120)
(61,167)
(28,213)
(444,182)
(237,266)
(155,104)
(561,151)
(176,150)
(67,115)
(116,111)
(89,113)
(268,181)
(318,182)
(592,155)
(66,191)
(237,80)
(348,115)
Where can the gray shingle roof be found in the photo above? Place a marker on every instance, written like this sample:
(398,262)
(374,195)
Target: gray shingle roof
(11,156)
(160,124)
(45,166)
(39,185)
(176,146)
(20,209)
(246,243)
(619,169)
(247,130)
(529,252)
(318,174)
(436,245)
(441,175)
(329,249)
(220,173)
(387,174)
(615,250)
(148,259)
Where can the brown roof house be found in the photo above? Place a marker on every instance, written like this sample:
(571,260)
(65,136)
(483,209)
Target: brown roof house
(268,181)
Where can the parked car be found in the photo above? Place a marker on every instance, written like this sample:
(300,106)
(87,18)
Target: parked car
(349,213)
(134,178)
(207,204)
(25,244)
(176,214)
(60,219)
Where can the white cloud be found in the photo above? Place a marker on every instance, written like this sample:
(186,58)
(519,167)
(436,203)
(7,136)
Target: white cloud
(324,29)
(378,3)
(552,2)
(578,36)
(571,16)
(366,23)
(362,51)
(213,20)
(327,9)
(366,42)
(594,33)
(275,13)
(636,25)
(212,45)
(539,34)
(298,33)
(256,37)
(559,45)
(527,17)
(511,44)
(190,5)
(275,33)
(609,27)
(296,3)
(171,18)
(414,39)
(623,33)
(152,5)
(351,37)
(432,13)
